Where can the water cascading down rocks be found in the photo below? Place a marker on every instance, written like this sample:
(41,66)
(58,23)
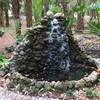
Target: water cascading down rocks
(48,52)
(58,61)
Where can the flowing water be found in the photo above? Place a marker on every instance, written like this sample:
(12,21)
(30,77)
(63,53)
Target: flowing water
(58,60)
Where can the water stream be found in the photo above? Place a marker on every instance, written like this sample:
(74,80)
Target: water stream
(58,60)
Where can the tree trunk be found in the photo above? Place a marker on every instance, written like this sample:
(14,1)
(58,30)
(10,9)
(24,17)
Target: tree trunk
(45,7)
(7,17)
(28,12)
(16,14)
(1,16)
(65,7)
(80,22)
(80,17)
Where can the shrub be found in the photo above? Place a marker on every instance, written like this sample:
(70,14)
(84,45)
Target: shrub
(19,39)
(69,21)
(37,10)
(90,92)
(3,59)
(55,9)
(94,27)
(1,32)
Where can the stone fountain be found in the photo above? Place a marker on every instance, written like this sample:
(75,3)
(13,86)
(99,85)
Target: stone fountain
(48,52)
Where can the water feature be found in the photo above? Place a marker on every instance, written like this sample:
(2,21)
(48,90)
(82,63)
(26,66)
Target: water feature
(58,61)
(50,54)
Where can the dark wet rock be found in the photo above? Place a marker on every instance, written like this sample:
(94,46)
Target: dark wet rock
(10,49)
(44,21)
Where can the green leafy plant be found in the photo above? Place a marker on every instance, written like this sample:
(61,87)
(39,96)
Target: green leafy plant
(3,59)
(37,10)
(19,39)
(55,9)
(90,92)
(1,32)
(69,21)
(18,26)
(95,7)
(80,7)
(70,92)
(94,27)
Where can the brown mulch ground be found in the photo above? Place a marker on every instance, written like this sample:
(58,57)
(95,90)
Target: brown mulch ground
(89,43)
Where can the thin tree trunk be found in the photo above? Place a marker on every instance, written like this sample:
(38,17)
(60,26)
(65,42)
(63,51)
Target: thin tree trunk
(16,13)
(7,17)
(80,22)
(80,18)
(28,12)
(65,7)
(45,7)
(1,16)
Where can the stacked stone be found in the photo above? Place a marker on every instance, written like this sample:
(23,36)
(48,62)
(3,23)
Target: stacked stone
(28,55)
(31,56)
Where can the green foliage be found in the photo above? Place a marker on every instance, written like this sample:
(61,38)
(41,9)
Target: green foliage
(34,89)
(55,9)
(19,39)
(3,59)
(94,27)
(37,10)
(1,32)
(95,6)
(70,92)
(80,7)
(5,3)
(69,21)
(18,26)
(90,92)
